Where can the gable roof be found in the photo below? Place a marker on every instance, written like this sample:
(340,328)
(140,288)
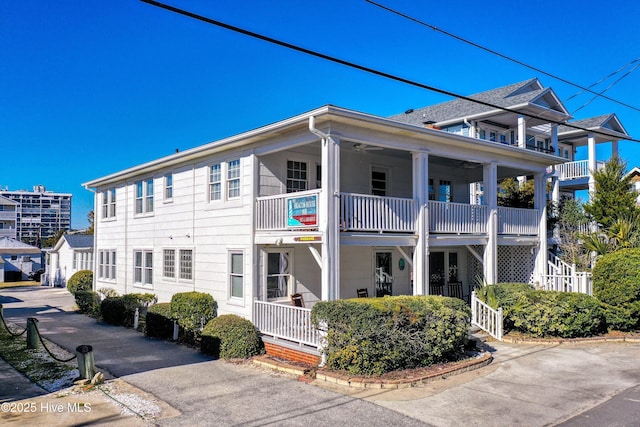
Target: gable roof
(514,96)
(13,246)
(608,126)
(75,241)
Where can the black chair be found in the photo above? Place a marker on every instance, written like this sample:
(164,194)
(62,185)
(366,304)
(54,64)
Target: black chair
(455,289)
(363,293)
(297,300)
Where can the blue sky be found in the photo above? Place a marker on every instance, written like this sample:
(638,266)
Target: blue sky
(93,87)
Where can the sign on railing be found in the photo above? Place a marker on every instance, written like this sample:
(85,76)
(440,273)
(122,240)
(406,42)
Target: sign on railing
(302,211)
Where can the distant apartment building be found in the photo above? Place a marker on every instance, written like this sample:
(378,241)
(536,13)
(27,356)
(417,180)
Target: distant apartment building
(36,215)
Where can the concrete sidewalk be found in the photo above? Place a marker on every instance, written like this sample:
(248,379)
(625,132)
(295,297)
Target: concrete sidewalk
(531,385)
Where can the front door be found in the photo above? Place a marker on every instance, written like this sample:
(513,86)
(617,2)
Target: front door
(278,274)
(383,274)
(443,269)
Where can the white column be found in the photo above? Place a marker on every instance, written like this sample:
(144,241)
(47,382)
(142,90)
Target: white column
(540,203)
(329,219)
(421,197)
(522,132)
(614,148)
(490,181)
(555,194)
(591,152)
(554,138)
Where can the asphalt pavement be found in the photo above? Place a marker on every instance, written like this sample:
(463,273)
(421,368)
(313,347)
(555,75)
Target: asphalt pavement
(532,385)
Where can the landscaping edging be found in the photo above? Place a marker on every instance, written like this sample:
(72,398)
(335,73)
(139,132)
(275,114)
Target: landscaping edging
(437,372)
(635,338)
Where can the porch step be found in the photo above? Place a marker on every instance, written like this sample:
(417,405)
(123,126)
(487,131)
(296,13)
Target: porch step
(478,336)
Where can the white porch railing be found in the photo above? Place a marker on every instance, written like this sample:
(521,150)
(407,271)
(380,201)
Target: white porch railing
(518,221)
(579,282)
(285,322)
(577,169)
(360,212)
(448,217)
(8,232)
(271,211)
(486,318)
(11,215)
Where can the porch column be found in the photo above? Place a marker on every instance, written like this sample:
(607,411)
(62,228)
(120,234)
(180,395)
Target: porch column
(421,197)
(614,148)
(555,189)
(591,153)
(554,138)
(490,180)
(330,218)
(540,203)
(522,132)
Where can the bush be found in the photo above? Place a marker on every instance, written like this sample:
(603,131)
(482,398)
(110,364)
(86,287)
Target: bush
(120,311)
(193,310)
(159,321)
(616,283)
(231,337)
(557,314)
(378,335)
(81,281)
(88,302)
(108,293)
(505,295)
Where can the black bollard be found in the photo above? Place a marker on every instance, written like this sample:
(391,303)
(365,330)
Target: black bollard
(86,363)
(32,333)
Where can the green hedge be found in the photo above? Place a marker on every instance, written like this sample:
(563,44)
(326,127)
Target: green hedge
(159,321)
(231,337)
(193,310)
(88,302)
(558,314)
(616,282)
(505,295)
(121,311)
(81,281)
(378,335)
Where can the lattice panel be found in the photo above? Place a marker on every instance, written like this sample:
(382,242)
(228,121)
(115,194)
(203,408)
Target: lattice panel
(474,267)
(515,264)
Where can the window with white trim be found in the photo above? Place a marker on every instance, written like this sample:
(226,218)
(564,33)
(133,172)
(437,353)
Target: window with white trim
(106,264)
(236,274)
(186,264)
(233,179)
(143,268)
(168,187)
(109,203)
(144,196)
(215,182)
(379,181)
(169,263)
(297,176)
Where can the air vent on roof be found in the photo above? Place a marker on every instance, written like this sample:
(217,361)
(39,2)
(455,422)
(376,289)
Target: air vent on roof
(409,111)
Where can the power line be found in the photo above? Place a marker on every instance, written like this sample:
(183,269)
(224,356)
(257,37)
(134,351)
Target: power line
(493,52)
(635,67)
(604,78)
(354,65)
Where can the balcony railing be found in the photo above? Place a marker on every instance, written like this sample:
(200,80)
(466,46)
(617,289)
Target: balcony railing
(11,215)
(8,232)
(448,217)
(516,221)
(359,212)
(367,213)
(285,322)
(577,169)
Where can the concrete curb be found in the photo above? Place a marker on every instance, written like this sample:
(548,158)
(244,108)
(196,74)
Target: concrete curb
(441,372)
(633,338)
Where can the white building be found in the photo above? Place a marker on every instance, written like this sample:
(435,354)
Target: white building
(334,201)
(8,217)
(72,253)
(18,260)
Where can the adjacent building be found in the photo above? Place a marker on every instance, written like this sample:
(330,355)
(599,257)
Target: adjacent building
(72,253)
(8,218)
(39,213)
(18,260)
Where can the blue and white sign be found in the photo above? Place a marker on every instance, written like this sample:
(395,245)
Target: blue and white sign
(302,211)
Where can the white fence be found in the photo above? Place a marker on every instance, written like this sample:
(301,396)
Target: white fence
(360,212)
(271,211)
(448,217)
(577,169)
(520,222)
(285,322)
(579,282)
(486,318)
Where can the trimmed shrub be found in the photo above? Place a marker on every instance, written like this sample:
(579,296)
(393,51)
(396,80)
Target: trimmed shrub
(81,281)
(193,310)
(88,302)
(505,295)
(159,321)
(108,293)
(616,282)
(231,337)
(558,314)
(120,311)
(378,335)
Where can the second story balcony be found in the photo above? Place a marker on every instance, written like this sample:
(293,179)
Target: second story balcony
(377,214)
(576,170)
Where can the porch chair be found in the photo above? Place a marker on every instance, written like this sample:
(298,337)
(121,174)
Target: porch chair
(455,289)
(363,293)
(297,300)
